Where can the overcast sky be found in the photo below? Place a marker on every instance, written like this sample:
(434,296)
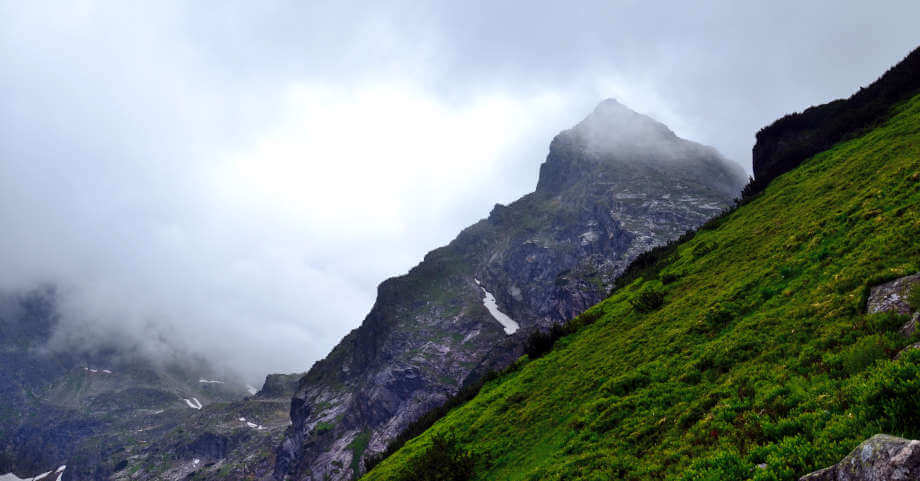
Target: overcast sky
(235,178)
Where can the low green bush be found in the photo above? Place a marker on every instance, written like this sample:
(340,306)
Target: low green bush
(444,460)
(648,300)
(890,396)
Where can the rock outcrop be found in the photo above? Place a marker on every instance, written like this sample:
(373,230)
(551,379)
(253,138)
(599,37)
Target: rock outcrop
(880,458)
(892,296)
(612,187)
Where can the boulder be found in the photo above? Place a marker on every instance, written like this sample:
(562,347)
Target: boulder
(892,296)
(880,458)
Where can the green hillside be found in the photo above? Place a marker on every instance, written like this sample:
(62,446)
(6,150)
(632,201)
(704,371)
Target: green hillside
(761,351)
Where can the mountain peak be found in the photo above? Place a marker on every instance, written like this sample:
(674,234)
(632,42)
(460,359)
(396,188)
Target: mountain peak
(613,127)
(625,140)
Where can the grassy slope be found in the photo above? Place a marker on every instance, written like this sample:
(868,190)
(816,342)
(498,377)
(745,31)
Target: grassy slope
(761,352)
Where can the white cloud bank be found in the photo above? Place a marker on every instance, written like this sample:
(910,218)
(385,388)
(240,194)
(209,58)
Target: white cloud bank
(236,179)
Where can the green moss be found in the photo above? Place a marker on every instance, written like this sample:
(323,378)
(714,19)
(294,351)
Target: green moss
(761,354)
(357,446)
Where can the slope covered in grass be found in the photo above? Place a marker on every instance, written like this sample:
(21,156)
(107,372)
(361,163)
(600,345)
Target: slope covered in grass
(760,353)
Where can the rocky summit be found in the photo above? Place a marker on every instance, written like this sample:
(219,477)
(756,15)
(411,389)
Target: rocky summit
(612,187)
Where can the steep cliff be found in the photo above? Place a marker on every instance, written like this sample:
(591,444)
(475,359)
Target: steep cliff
(613,186)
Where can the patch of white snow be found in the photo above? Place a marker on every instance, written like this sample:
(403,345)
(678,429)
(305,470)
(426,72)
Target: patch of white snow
(13,477)
(470,336)
(206,381)
(251,390)
(193,403)
(489,301)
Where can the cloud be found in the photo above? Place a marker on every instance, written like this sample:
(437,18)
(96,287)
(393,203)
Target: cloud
(237,180)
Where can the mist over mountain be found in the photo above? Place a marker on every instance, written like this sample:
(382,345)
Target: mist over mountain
(216,224)
(637,145)
(612,187)
(185,175)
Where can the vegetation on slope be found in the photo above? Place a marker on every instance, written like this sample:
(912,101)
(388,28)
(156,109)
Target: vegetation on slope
(760,352)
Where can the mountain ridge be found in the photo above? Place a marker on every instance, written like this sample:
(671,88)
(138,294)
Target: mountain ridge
(544,258)
(747,351)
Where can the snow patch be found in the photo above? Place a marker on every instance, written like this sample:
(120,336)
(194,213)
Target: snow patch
(96,371)
(489,301)
(193,403)
(13,477)
(251,390)
(470,336)
(207,381)
(589,237)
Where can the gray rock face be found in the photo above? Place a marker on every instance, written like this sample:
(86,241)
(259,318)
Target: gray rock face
(880,458)
(892,296)
(612,187)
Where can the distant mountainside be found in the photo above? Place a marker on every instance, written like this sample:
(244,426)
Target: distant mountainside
(615,185)
(111,414)
(776,341)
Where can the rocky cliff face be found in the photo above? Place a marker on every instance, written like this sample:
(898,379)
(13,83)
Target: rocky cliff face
(613,186)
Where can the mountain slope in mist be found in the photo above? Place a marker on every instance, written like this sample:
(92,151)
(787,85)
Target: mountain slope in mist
(751,350)
(612,187)
(89,410)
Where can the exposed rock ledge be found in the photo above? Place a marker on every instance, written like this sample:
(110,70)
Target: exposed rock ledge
(880,458)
